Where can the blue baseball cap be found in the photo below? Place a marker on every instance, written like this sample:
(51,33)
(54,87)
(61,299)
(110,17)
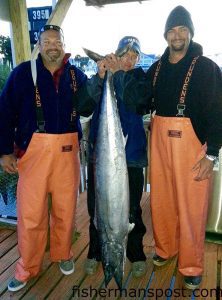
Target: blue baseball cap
(126,40)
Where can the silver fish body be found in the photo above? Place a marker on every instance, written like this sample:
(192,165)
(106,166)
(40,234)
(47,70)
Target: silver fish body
(111,187)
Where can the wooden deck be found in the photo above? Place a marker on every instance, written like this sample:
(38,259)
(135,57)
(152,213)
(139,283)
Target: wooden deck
(158,283)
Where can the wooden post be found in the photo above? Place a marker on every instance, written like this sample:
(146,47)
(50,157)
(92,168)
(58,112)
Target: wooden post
(19,19)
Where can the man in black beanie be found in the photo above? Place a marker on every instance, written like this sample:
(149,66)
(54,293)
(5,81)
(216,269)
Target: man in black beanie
(186,138)
(186,89)
(179,16)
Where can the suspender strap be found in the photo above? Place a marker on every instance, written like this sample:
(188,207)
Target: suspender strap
(74,87)
(156,73)
(39,112)
(38,104)
(34,71)
(74,83)
(181,106)
(154,83)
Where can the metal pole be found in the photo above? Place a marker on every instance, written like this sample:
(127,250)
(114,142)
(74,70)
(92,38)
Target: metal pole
(12,47)
(53,4)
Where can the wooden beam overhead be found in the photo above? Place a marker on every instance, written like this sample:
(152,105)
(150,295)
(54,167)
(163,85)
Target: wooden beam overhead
(105,2)
(58,14)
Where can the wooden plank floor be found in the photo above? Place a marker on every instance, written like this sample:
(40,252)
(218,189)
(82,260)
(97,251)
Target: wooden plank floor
(158,283)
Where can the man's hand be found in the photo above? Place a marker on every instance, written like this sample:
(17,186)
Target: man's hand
(205,169)
(9,163)
(101,64)
(113,63)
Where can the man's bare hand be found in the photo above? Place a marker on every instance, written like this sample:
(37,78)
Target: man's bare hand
(205,169)
(9,163)
(101,64)
(113,63)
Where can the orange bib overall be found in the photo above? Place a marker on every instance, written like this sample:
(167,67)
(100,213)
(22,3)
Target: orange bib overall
(50,165)
(178,202)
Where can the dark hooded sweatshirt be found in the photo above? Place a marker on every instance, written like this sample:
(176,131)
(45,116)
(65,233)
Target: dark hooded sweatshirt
(203,98)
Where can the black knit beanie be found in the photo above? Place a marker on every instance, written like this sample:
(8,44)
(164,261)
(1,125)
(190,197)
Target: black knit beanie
(179,16)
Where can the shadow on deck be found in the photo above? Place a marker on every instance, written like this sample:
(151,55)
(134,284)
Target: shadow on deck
(158,283)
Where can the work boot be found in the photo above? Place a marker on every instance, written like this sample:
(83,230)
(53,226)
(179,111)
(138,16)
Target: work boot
(138,268)
(66,267)
(192,282)
(159,261)
(16,285)
(91,266)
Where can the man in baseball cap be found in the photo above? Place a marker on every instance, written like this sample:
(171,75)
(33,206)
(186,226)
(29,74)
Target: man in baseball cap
(130,41)
(123,65)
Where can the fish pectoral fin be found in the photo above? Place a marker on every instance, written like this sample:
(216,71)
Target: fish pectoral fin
(131,226)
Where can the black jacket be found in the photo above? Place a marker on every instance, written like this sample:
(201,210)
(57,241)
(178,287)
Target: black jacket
(203,98)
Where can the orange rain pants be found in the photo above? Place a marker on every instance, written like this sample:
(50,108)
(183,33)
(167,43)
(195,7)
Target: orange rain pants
(178,203)
(50,165)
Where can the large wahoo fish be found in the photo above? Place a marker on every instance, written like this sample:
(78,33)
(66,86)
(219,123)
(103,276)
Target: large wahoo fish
(111,185)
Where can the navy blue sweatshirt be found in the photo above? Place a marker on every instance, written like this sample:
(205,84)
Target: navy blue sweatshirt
(18,118)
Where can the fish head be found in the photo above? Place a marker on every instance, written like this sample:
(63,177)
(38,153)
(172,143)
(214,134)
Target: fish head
(93,55)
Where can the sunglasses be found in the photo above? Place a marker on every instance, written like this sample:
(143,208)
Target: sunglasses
(51,27)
